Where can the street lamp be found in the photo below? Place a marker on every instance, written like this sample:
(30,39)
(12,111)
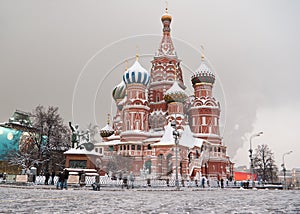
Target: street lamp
(284,169)
(251,158)
(176,135)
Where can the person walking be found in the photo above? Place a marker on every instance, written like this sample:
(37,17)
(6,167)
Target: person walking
(65,178)
(131,178)
(52,177)
(58,184)
(203,183)
(47,176)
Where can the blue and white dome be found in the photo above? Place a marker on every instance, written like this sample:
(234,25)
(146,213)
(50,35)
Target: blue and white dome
(119,91)
(136,74)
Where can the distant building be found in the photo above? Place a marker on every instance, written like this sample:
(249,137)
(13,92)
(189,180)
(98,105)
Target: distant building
(296,177)
(147,103)
(288,178)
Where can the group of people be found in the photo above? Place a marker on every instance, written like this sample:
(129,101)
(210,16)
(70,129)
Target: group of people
(47,177)
(62,180)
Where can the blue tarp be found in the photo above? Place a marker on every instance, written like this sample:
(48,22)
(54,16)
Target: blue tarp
(9,141)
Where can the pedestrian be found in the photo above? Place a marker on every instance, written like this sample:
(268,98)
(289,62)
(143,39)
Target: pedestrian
(222,183)
(131,178)
(52,177)
(65,178)
(207,183)
(47,176)
(61,180)
(58,184)
(125,182)
(203,183)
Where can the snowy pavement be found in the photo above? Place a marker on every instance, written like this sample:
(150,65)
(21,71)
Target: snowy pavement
(148,200)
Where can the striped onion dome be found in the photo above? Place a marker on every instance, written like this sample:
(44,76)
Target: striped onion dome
(203,74)
(175,94)
(136,74)
(119,91)
(106,131)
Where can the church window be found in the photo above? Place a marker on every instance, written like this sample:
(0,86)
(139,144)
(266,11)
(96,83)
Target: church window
(170,164)
(96,149)
(139,147)
(197,154)
(137,125)
(132,147)
(100,150)
(157,98)
(204,120)
(149,147)
(128,125)
(148,164)
(219,149)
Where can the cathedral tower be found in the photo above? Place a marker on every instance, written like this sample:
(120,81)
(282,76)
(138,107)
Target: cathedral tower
(135,110)
(165,66)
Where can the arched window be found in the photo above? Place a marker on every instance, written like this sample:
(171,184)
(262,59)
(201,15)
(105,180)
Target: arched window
(169,164)
(148,165)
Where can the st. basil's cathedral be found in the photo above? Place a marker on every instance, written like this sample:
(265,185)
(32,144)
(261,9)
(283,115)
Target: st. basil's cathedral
(148,102)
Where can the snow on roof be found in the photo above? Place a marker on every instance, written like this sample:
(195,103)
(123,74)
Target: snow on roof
(175,89)
(113,137)
(107,128)
(167,138)
(154,139)
(188,140)
(74,151)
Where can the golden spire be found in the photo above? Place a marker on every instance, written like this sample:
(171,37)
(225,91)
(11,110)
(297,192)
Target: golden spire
(136,53)
(108,119)
(202,53)
(166,6)
(126,65)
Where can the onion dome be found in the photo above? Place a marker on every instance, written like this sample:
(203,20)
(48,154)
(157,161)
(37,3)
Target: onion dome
(175,94)
(203,74)
(107,130)
(119,91)
(166,16)
(136,74)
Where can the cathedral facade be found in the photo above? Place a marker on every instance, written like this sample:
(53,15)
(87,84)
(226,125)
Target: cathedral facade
(148,102)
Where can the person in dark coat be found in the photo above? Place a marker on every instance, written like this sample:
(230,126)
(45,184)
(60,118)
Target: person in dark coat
(65,177)
(52,177)
(61,179)
(47,176)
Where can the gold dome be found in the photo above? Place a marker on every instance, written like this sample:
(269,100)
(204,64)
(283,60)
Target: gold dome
(166,16)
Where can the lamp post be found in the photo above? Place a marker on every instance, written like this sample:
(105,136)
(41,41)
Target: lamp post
(176,135)
(251,158)
(283,167)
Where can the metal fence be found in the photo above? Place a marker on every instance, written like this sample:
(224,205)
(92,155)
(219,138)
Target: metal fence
(106,181)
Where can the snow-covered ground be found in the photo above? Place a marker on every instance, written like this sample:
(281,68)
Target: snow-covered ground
(189,200)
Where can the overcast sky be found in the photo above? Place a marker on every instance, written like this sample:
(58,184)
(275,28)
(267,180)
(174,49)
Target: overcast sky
(71,54)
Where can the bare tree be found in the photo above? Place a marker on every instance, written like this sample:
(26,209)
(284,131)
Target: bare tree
(118,163)
(54,136)
(264,163)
